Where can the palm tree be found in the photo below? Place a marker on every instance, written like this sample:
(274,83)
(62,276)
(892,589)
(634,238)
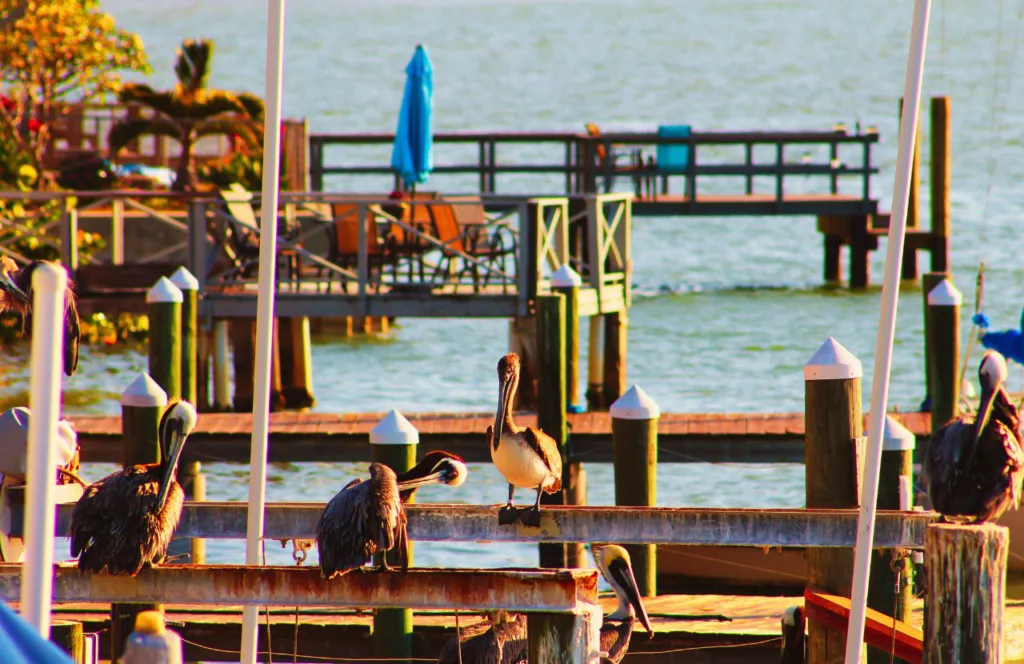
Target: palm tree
(189,112)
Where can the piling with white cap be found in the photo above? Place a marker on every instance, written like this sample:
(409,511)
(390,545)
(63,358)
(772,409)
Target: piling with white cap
(142,404)
(165,301)
(895,492)
(551,401)
(635,417)
(394,441)
(567,282)
(943,333)
(929,280)
(833,440)
(151,642)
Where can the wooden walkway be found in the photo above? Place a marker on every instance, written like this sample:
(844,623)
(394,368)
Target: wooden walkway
(753,204)
(688,628)
(294,437)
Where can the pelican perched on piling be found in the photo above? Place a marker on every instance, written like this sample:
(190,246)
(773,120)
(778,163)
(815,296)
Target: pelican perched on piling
(974,467)
(527,457)
(504,640)
(368,517)
(16,295)
(125,521)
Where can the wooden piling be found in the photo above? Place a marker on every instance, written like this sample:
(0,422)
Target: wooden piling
(296,363)
(164,300)
(965,589)
(142,404)
(243,333)
(940,180)
(909,266)
(943,334)
(833,256)
(562,638)
(567,282)
(522,339)
(929,280)
(551,400)
(895,492)
(69,635)
(833,424)
(635,451)
(221,367)
(595,365)
(394,441)
(616,325)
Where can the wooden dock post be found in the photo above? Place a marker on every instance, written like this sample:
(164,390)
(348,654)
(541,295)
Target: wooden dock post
(296,363)
(929,280)
(909,267)
(595,365)
(563,638)
(151,642)
(243,345)
(941,162)
(943,334)
(191,475)
(616,326)
(142,404)
(522,339)
(567,282)
(834,426)
(221,367)
(394,442)
(164,300)
(635,450)
(895,492)
(965,589)
(551,400)
(69,635)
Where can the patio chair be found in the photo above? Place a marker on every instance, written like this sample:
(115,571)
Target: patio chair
(241,240)
(670,159)
(491,244)
(617,152)
(343,244)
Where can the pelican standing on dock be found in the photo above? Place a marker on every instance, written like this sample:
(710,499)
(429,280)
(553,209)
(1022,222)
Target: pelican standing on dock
(974,467)
(505,640)
(125,521)
(527,457)
(16,295)
(368,517)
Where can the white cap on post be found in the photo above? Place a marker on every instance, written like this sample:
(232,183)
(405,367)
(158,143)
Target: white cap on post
(945,294)
(635,404)
(896,437)
(144,393)
(394,429)
(164,291)
(832,362)
(184,279)
(566,277)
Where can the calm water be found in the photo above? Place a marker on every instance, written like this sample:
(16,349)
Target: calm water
(727,310)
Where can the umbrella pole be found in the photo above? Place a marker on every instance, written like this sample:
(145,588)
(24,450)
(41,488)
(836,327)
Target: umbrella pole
(264,313)
(886,330)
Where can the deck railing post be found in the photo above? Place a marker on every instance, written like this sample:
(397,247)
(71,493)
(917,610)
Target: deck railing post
(221,367)
(394,441)
(164,300)
(943,335)
(117,231)
(142,404)
(551,400)
(635,418)
(197,242)
(834,430)
(965,590)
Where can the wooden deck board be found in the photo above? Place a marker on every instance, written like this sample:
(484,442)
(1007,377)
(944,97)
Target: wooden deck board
(296,436)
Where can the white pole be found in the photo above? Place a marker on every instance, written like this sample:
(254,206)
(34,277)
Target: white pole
(264,312)
(886,329)
(48,284)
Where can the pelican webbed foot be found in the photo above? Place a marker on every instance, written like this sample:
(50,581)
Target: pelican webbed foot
(530,516)
(508,515)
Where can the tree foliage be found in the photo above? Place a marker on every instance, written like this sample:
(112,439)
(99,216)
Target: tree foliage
(56,52)
(190,111)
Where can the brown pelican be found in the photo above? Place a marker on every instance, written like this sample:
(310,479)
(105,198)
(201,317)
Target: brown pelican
(367,517)
(527,457)
(125,520)
(16,295)
(793,629)
(504,639)
(974,467)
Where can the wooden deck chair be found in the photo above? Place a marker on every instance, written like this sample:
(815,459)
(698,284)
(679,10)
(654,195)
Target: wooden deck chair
(402,244)
(242,243)
(491,244)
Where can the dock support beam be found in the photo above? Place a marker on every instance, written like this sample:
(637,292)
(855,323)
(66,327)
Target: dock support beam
(595,365)
(616,326)
(296,363)
(551,401)
(965,589)
(142,405)
(941,161)
(943,334)
(635,448)
(394,441)
(834,427)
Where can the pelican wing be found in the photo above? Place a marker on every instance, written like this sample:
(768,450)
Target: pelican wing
(488,643)
(940,468)
(615,639)
(547,449)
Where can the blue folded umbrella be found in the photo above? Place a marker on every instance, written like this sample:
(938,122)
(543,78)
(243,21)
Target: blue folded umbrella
(21,644)
(411,154)
(1008,343)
